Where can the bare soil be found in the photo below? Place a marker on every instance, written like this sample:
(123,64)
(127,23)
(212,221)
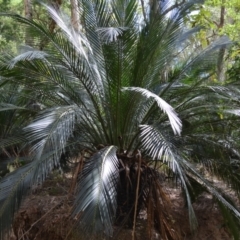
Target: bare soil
(46,215)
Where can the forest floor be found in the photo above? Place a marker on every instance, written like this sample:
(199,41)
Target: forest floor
(45,215)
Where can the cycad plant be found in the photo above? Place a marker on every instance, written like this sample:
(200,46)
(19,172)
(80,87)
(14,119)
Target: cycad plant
(118,93)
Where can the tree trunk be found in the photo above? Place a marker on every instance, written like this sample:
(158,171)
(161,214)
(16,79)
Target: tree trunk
(56,4)
(75,17)
(28,14)
(221,63)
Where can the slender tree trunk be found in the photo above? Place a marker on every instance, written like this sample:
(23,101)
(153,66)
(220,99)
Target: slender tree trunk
(75,16)
(56,4)
(28,11)
(221,55)
(221,65)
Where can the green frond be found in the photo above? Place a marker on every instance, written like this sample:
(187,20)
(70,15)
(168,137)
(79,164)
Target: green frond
(175,122)
(29,55)
(199,178)
(159,148)
(97,191)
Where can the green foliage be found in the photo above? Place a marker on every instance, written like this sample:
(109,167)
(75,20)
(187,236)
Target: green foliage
(218,18)
(209,16)
(10,33)
(234,70)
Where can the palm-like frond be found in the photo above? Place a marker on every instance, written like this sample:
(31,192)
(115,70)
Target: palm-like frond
(97,191)
(164,106)
(29,55)
(159,148)
(8,106)
(50,133)
(211,189)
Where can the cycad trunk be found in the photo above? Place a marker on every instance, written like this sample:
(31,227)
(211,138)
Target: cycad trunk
(126,194)
(150,196)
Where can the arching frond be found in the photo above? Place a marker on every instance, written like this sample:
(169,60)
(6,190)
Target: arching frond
(8,106)
(15,187)
(159,148)
(77,38)
(164,106)
(29,55)
(196,176)
(97,191)
(50,133)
